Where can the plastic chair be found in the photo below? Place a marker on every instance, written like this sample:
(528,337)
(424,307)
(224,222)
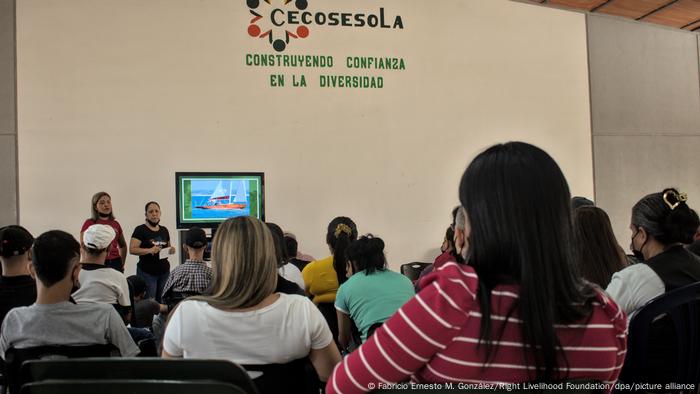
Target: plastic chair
(412,270)
(670,321)
(15,358)
(298,376)
(130,386)
(139,368)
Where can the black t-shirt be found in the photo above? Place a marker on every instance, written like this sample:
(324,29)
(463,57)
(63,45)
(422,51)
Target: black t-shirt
(150,263)
(16,291)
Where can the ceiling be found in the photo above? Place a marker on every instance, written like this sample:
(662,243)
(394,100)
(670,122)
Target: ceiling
(681,14)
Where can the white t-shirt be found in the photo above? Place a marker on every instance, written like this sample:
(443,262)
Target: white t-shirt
(291,272)
(279,333)
(634,286)
(102,285)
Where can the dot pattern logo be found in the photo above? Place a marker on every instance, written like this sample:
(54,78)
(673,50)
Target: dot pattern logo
(279,37)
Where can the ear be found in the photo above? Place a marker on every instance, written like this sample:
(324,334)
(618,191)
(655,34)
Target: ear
(32,270)
(643,235)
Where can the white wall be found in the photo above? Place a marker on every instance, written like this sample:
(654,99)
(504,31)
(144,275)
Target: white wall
(118,95)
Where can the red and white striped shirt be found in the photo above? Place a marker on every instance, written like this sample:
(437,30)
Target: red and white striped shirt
(434,337)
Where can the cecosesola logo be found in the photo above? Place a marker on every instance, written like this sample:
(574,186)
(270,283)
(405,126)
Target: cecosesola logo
(293,23)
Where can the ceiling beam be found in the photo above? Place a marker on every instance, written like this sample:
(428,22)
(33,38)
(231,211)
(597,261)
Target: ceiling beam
(658,9)
(603,4)
(690,24)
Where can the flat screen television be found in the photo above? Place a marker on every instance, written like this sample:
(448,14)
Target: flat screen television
(205,199)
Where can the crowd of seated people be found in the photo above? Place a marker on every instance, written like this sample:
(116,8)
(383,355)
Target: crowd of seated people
(530,285)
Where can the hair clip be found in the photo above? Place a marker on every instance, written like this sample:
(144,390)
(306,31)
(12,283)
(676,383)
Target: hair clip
(677,198)
(342,228)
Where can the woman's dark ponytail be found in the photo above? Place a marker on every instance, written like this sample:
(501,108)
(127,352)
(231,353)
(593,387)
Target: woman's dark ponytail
(341,232)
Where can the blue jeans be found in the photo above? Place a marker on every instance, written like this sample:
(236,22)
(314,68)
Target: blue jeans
(154,283)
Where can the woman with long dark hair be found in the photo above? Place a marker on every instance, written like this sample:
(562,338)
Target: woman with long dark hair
(599,254)
(661,224)
(516,311)
(323,277)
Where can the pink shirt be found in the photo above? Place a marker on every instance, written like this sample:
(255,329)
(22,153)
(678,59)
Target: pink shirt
(434,337)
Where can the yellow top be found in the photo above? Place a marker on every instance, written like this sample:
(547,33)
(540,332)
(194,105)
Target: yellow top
(321,280)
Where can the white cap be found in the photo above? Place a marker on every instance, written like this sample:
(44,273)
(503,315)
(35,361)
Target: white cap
(98,236)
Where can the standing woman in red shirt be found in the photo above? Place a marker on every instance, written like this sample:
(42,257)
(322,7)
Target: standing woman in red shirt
(101,213)
(515,311)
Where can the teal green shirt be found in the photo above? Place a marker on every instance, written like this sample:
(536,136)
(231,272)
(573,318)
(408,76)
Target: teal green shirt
(370,299)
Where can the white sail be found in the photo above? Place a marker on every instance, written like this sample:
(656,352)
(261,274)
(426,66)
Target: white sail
(240,193)
(219,193)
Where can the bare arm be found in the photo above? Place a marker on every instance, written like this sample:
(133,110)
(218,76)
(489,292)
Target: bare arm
(324,360)
(165,354)
(136,249)
(344,329)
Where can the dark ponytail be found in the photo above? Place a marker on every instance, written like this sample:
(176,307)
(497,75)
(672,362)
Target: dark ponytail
(367,254)
(341,232)
(666,216)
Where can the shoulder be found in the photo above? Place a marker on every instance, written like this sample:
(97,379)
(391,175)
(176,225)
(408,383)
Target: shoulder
(318,264)
(606,309)
(87,223)
(458,278)
(635,273)
(139,230)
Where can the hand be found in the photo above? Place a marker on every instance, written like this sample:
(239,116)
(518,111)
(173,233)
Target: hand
(155,249)
(172,250)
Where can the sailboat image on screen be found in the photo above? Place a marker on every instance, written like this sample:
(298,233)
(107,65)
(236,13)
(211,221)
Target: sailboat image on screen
(224,200)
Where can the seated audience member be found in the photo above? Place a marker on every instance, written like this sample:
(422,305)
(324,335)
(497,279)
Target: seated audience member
(99,283)
(448,248)
(661,223)
(599,254)
(246,322)
(289,280)
(578,201)
(194,276)
(144,308)
(294,255)
(17,288)
(695,246)
(516,312)
(323,277)
(372,292)
(53,320)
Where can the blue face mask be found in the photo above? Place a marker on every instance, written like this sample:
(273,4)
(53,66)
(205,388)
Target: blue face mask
(637,252)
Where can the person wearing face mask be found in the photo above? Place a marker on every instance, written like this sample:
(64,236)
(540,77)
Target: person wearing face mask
(661,224)
(146,242)
(101,213)
(516,312)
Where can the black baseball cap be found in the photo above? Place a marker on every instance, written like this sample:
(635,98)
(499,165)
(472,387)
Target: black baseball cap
(195,237)
(14,241)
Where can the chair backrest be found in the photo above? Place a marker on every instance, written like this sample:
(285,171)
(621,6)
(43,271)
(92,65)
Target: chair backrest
(664,342)
(139,368)
(130,386)
(298,376)
(15,358)
(413,270)
(329,314)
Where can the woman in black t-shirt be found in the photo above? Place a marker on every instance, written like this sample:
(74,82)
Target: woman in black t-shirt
(147,241)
